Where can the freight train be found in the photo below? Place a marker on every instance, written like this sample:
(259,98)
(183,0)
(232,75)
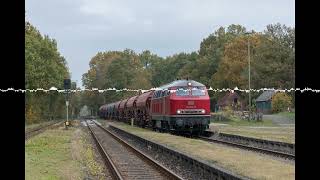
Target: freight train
(182,106)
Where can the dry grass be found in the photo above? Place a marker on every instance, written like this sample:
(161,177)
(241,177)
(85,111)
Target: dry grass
(283,134)
(241,162)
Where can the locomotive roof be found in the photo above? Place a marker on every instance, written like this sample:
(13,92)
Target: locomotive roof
(181,83)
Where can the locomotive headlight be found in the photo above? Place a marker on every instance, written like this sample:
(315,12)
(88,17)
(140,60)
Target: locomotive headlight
(178,111)
(203,111)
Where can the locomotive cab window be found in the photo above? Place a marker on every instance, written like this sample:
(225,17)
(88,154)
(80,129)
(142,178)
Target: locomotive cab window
(167,92)
(163,93)
(198,91)
(182,91)
(155,94)
(158,94)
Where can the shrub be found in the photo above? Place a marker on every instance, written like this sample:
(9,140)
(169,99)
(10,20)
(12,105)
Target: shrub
(32,116)
(227,112)
(280,102)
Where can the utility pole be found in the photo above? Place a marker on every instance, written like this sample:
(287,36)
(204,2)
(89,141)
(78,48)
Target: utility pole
(249,74)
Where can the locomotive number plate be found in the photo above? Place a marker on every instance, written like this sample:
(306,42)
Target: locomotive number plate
(190,103)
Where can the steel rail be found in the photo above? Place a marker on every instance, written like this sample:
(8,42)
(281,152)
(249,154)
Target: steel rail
(106,157)
(257,149)
(165,171)
(210,171)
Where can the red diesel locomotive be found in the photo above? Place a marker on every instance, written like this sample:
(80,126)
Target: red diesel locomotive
(180,106)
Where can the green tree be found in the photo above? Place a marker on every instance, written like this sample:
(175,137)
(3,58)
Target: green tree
(44,68)
(274,64)
(221,62)
(280,102)
(116,69)
(233,69)
(212,51)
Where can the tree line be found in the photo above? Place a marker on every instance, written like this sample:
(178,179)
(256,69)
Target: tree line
(221,62)
(44,68)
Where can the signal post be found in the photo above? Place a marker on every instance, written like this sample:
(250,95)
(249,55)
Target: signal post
(67,87)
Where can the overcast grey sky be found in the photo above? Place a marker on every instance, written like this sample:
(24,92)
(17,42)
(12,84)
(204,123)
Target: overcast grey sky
(84,27)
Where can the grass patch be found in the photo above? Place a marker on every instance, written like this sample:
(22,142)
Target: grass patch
(241,162)
(290,115)
(240,122)
(34,126)
(60,154)
(48,156)
(282,134)
(265,129)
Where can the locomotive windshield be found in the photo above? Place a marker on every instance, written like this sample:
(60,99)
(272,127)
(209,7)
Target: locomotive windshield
(195,91)
(182,91)
(198,91)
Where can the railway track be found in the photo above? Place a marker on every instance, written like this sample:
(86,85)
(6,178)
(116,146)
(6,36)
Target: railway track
(196,168)
(35,131)
(125,161)
(278,149)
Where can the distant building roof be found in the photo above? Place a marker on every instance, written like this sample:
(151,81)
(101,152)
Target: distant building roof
(265,96)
